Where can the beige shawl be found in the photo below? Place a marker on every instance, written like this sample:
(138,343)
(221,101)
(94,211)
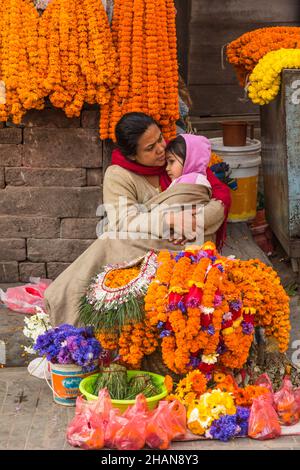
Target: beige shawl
(63,295)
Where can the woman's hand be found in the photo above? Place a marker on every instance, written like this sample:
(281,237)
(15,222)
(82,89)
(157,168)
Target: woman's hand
(176,225)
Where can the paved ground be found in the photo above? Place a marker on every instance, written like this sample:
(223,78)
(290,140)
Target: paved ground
(31,420)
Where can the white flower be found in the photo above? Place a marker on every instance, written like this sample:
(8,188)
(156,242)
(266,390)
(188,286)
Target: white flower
(210,358)
(207,310)
(35,326)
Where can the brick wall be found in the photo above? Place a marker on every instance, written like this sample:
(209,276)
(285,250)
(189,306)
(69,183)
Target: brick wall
(51,171)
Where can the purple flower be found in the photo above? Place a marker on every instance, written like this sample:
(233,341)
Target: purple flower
(221,348)
(192,303)
(235,305)
(211,330)
(180,255)
(67,344)
(182,306)
(242,414)
(224,428)
(201,254)
(160,324)
(247,328)
(165,333)
(218,300)
(220,268)
(194,362)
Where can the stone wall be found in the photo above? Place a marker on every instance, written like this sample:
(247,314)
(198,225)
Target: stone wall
(51,172)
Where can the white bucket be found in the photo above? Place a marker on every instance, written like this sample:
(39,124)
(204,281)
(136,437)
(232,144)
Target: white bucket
(244,164)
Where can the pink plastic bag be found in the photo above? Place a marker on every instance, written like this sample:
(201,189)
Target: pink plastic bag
(167,423)
(25,299)
(265,381)
(286,404)
(132,435)
(115,423)
(263,420)
(87,428)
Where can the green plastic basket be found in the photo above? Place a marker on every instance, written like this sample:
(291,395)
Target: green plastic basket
(86,387)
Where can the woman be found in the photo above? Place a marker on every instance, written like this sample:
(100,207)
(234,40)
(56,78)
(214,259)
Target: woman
(137,177)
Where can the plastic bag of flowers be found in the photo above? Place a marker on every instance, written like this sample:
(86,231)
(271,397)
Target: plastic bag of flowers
(286,405)
(87,428)
(263,421)
(167,423)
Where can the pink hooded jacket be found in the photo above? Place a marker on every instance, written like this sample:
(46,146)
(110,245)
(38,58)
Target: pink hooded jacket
(198,154)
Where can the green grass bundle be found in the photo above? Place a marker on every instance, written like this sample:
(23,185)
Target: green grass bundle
(114,378)
(141,383)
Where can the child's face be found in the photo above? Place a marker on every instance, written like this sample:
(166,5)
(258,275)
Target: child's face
(174,165)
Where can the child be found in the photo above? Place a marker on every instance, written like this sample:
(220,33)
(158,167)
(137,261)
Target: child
(188,157)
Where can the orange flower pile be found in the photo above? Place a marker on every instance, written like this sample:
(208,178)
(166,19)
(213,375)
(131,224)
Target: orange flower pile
(144,34)
(190,388)
(133,343)
(19,77)
(245,396)
(264,297)
(78,61)
(246,51)
(121,277)
(206,309)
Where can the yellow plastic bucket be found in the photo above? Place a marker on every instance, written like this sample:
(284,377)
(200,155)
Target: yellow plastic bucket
(86,387)
(244,164)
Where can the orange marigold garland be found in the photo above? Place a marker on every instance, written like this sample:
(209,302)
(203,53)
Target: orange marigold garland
(208,307)
(148,64)
(19,77)
(78,60)
(246,51)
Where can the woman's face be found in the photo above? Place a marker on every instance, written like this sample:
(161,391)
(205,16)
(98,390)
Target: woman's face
(151,148)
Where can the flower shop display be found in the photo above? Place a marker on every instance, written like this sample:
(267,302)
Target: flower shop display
(114,305)
(245,52)
(97,424)
(144,34)
(205,307)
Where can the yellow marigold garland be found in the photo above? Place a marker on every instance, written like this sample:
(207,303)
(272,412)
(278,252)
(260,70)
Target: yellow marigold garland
(266,77)
(247,50)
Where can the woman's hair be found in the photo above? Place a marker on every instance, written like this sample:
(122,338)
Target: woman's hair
(178,147)
(129,129)
(184,92)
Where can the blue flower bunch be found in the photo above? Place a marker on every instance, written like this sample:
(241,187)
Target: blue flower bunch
(230,426)
(67,344)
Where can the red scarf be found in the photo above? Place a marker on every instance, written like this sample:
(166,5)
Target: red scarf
(219,190)
(119,159)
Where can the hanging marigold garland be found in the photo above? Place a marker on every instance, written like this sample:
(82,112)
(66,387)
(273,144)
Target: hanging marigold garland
(18,60)
(78,60)
(146,44)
